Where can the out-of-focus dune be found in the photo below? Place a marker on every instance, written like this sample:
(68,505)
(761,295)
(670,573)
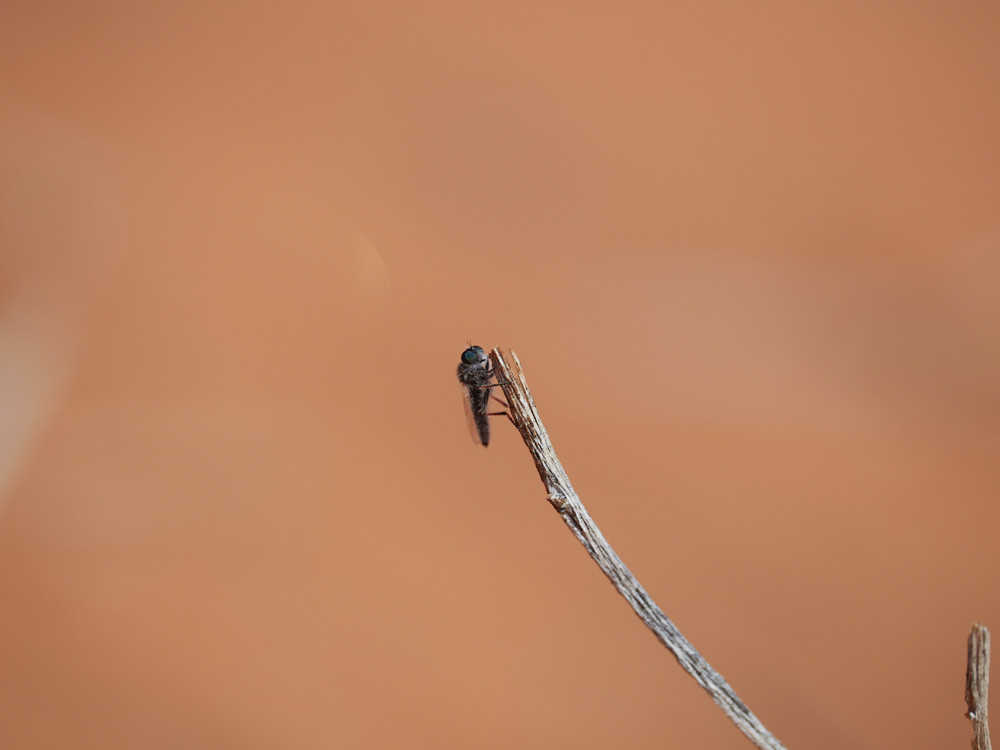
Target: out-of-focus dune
(749,258)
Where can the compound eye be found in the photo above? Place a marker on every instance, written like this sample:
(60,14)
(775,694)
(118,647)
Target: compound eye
(470,356)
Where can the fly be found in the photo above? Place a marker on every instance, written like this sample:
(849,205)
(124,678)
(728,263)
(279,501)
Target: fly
(475,374)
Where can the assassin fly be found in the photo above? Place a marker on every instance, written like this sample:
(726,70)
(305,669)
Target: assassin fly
(475,374)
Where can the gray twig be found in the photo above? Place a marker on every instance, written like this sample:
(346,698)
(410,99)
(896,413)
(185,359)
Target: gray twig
(977,686)
(564,499)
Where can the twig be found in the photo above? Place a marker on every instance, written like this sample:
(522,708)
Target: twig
(977,686)
(564,499)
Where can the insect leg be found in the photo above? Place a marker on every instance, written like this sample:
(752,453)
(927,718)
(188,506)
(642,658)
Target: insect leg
(502,414)
(492,373)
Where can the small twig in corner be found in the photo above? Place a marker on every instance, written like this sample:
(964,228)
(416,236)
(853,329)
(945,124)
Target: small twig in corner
(564,499)
(977,686)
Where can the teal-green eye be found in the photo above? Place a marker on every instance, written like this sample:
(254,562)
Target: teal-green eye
(470,356)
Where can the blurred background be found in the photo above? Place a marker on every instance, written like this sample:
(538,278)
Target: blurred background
(749,258)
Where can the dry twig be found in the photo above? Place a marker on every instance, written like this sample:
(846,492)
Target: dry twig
(564,499)
(977,686)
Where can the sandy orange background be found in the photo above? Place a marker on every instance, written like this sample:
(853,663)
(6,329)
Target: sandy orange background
(749,257)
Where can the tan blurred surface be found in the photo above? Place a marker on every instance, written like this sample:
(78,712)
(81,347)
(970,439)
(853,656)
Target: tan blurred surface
(749,257)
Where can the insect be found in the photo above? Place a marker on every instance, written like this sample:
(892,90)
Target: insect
(475,374)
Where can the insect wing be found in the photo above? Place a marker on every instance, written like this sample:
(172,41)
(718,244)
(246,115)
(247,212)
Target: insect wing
(470,417)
